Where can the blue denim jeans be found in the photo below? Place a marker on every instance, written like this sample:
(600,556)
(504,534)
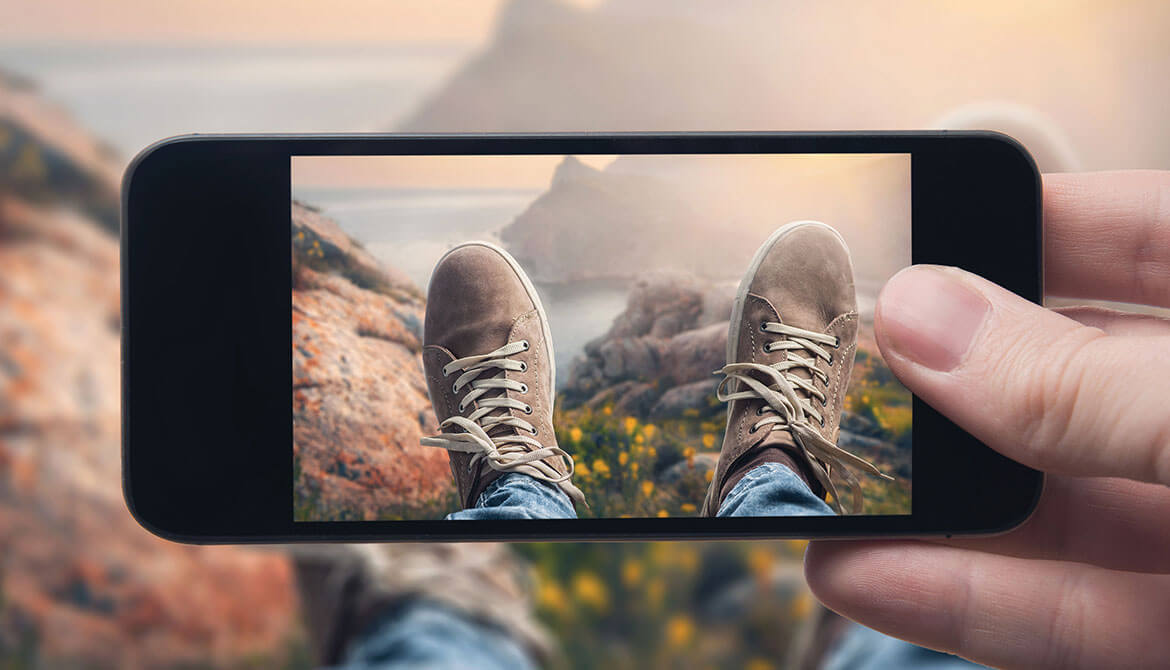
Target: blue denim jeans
(424,634)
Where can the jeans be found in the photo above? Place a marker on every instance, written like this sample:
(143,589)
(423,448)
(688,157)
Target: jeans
(423,634)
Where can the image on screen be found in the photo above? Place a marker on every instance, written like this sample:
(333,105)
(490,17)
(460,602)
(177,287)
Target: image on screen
(588,336)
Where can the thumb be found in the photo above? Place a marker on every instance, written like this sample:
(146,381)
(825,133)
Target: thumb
(1032,384)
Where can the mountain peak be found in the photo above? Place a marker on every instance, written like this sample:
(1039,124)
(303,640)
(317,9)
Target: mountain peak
(572,169)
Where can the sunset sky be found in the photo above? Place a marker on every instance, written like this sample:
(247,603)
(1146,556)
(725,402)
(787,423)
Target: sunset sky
(152,21)
(534,172)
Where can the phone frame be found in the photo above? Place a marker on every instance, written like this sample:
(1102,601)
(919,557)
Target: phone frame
(207,355)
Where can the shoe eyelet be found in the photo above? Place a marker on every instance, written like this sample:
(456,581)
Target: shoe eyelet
(534,431)
(461,408)
(525,343)
(763,326)
(454,388)
(753,429)
(528,409)
(524,388)
(760,411)
(830,361)
(523,366)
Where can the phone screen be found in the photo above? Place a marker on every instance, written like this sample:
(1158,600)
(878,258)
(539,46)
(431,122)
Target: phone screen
(636,336)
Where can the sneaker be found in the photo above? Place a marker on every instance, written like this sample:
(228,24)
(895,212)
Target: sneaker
(790,348)
(488,360)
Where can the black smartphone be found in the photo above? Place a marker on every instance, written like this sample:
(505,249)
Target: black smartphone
(566,336)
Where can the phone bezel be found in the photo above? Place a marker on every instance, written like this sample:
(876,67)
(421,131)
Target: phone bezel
(206,346)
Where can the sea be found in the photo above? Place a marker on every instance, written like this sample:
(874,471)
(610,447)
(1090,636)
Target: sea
(411,229)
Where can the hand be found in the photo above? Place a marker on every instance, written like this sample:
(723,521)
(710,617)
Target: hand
(1083,394)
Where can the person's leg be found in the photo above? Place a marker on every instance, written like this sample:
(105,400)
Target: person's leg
(518,496)
(772,489)
(419,605)
(425,634)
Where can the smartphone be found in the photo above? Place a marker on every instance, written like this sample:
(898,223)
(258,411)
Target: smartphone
(554,337)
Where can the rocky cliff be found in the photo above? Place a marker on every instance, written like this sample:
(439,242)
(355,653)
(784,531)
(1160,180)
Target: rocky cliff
(659,356)
(359,398)
(81,584)
(657,364)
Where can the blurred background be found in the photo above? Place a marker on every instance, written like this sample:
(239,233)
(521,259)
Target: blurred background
(84,86)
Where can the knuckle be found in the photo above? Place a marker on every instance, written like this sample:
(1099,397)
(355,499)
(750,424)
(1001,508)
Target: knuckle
(1065,643)
(1051,404)
(1151,245)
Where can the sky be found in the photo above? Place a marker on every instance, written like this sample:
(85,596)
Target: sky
(252,21)
(532,172)
(512,172)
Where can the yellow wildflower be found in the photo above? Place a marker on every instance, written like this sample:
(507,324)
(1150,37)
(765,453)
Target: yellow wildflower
(631,572)
(688,508)
(631,425)
(575,434)
(639,439)
(708,440)
(801,606)
(590,591)
(647,487)
(581,469)
(655,592)
(607,410)
(759,562)
(648,430)
(662,514)
(653,452)
(623,458)
(710,474)
(550,596)
(634,469)
(689,454)
(680,629)
(758,663)
(600,468)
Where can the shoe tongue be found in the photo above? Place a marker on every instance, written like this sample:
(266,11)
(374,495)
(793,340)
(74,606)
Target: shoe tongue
(800,372)
(777,437)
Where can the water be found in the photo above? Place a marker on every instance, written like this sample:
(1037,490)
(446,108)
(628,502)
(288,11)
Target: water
(132,95)
(410,229)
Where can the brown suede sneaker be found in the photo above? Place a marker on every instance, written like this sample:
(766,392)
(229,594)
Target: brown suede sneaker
(790,348)
(489,364)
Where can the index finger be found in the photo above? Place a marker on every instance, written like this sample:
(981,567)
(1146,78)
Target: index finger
(1107,236)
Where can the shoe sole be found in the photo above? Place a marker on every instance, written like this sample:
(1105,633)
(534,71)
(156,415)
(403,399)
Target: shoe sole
(533,295)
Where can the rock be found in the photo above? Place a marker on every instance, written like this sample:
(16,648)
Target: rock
(698,396)
(83,583)
(47,160)
(697,468)
(359,398)
(658,357)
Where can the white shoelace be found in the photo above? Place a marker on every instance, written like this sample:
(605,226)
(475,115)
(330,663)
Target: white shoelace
(514,450)
(785,409)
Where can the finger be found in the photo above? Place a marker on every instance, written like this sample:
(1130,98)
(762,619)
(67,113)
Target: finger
(1032,384)
(1107,236)
(1114,322)
(1001,611)
(1112,523)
